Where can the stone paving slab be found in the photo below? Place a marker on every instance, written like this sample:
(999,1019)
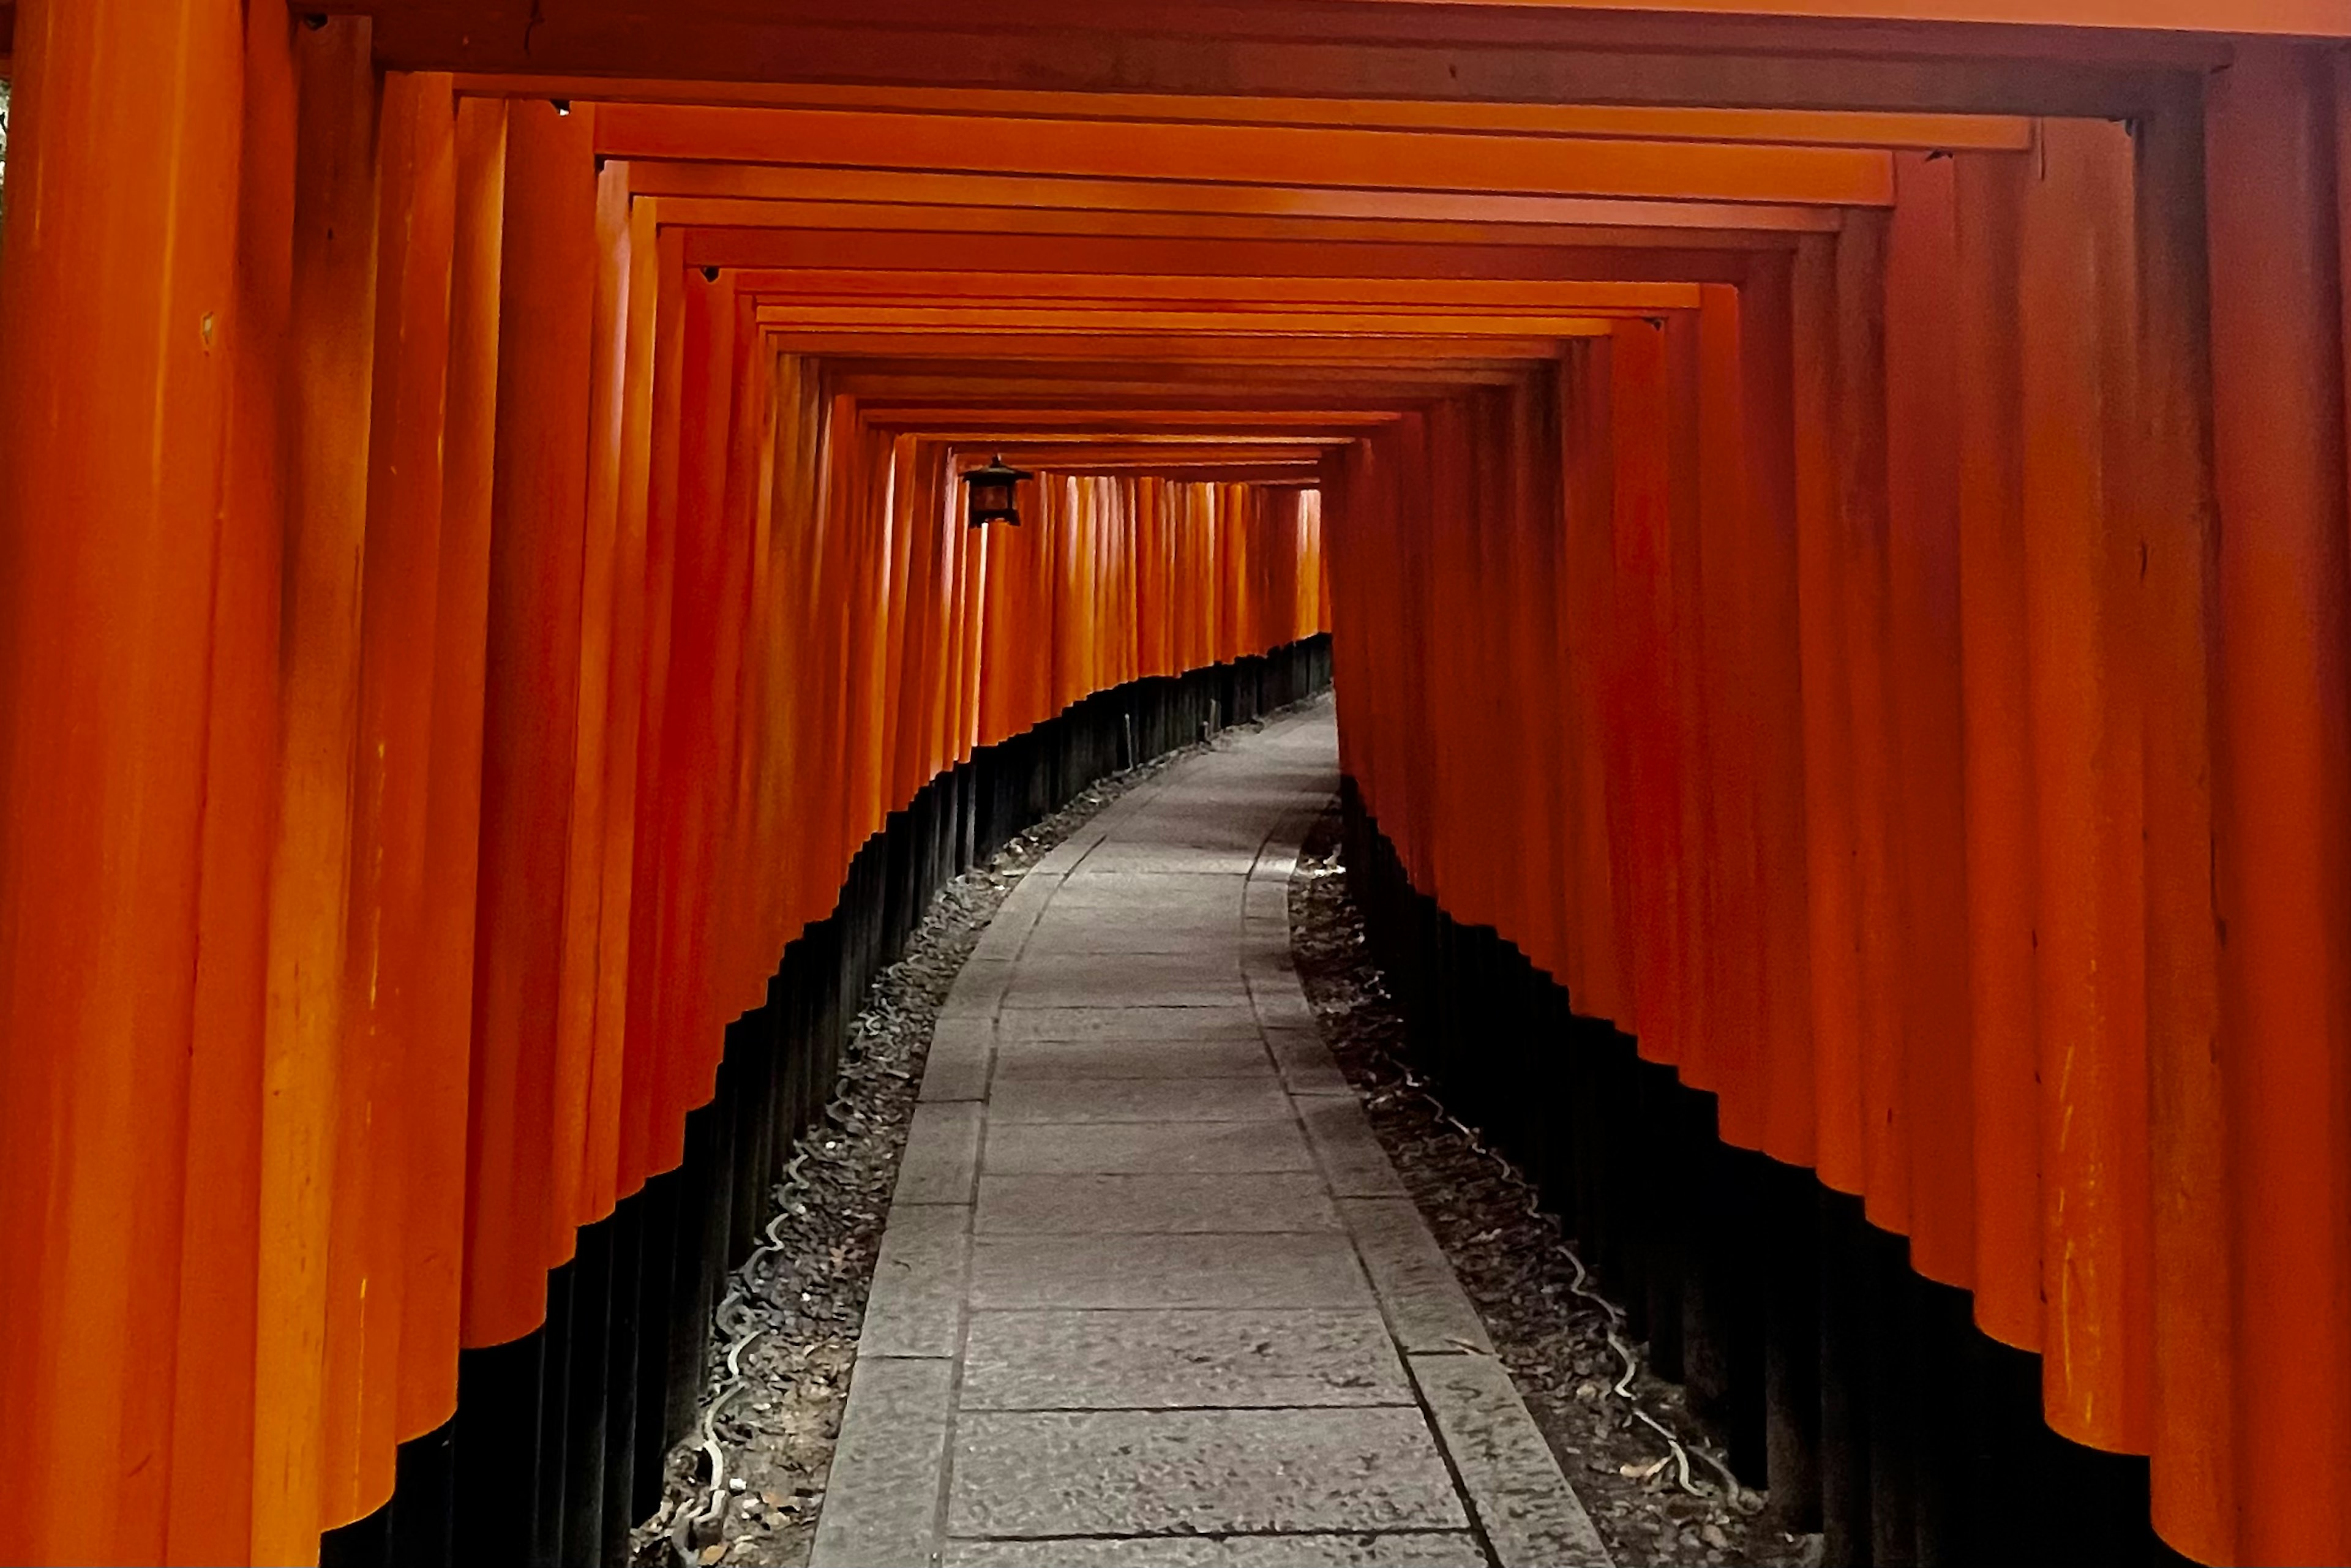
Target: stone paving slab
(882,1499)
(1087,980)
(1194,942)
(1001,942)
(1267,960)
(1306,1064)
(979,985)
(1426,1308)
(1173,822)
(916,1305)
(1066,1059)
(1188,847)
(1267,896)
(1350,1156)
(960,1051)
(1190,860)
(1104,991)
(1142,1472)
(1234,1020)
(1181,926)
(1281,1006)
(941,1164)
(1406,1549)
(1075,1360)
(1006,947)
(1522,1501)
(1256,1098)
(1151,1294)
(1208,1270)
(1152,1205)
(1159,976)
(1129,890)
(1111,1147)
(1028,901)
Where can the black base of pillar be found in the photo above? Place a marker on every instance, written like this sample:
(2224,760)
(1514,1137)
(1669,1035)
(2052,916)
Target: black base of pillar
(1862,1395)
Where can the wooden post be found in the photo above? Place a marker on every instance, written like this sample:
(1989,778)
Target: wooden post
(118,339)
(2282,785)
(330,354)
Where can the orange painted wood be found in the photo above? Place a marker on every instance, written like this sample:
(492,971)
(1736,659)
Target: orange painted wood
(1262,155)
(1703,60)
(2281,752)
(1689,17)
(1644,804)
(2001,882)
(1858,435)
(442,1056)
(524,1102)
(1684,675)
(687,828)
(1923,547)
(304,1090)
(768,197)
(1787,1114)
(2195,1406)
(586,1174)
(2314,17)
(2088,919)
(1731,798)
(118,411)
(210,1458)
(1833,890)
(650,1140)
(935,322)
(1596,980)
(1097,241)
(615,1162)
(1584,241)
(384,947)
(1835,128)
(846,285)
(740,972)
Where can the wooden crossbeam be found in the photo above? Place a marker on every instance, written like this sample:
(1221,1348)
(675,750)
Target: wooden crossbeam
(1226,349)
(1921,132)
(1272,155)
(2313,18)
(1805,23)
(834,285)
(1125,419)
(1901,57)
(1291,250)
(947,321)
(780,194)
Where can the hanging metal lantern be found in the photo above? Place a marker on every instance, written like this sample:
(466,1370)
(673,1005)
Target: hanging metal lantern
(996,493)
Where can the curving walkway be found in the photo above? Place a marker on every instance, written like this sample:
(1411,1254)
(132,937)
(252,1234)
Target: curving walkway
(1151,1293)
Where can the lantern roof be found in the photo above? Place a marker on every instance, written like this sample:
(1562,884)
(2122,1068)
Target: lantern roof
(997,472)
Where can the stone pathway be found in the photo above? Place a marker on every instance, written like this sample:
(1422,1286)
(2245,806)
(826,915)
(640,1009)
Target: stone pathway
(1151,1295)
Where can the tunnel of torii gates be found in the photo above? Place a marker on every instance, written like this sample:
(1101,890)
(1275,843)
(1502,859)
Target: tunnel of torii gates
(1829,517)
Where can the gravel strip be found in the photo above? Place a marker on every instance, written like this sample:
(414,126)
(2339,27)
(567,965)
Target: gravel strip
(1554,1341)
(805,1300)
